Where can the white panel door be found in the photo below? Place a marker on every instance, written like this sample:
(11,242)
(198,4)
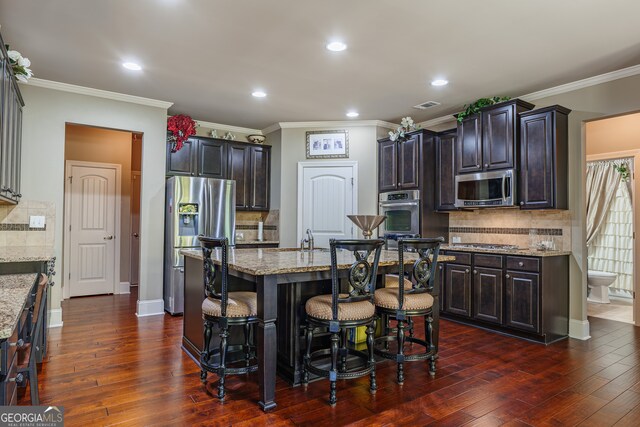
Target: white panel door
(92,234)
(135,227)
(327,199)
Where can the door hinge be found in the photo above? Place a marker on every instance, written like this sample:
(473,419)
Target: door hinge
(69,275)
(351,180)
(69,227)
(71,179)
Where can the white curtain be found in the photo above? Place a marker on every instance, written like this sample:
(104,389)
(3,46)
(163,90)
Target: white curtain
(602,181)
(611,249)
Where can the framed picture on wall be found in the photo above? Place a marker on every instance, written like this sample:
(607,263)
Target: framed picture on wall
(328,144)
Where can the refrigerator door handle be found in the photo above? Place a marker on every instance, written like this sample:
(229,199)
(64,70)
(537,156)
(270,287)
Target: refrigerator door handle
(206,206)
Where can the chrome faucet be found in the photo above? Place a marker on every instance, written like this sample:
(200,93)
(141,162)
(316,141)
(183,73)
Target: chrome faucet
(308,241)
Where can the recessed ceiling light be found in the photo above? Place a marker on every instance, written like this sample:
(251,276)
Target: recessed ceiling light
(132,66)
(353,114)
(439,82)
(259,94)
(336,46)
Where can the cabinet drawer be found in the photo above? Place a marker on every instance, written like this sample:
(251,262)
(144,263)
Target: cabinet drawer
(522,263)
(486,260)
(461,257)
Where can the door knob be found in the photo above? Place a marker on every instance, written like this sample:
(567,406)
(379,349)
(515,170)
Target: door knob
(136,235)
(108,238)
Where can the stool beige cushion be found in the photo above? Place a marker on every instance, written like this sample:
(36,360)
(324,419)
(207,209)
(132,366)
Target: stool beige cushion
(239,304)
(388,298)
(391,281)
(319,307)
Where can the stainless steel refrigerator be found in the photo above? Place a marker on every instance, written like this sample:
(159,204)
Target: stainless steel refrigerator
(194,206)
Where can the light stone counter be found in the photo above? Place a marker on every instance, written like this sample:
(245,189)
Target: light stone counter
(14,290)
(516,252)
(257,242)
(25,253)
(263,262)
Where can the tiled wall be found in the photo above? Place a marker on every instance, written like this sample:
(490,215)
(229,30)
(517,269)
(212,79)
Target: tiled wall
(247,224)
(511,226)
(14,224)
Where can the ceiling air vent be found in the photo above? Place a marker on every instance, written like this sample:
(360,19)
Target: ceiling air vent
(426,105)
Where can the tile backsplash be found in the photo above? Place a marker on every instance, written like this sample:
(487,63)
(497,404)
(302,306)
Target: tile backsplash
(247,224)
(507,226)
(14,224)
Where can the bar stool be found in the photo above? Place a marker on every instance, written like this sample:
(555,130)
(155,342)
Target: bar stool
(403,304)
(340,311)
(224,309)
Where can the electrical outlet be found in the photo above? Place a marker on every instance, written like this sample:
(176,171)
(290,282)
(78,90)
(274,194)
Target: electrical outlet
(456,239)
(36,221)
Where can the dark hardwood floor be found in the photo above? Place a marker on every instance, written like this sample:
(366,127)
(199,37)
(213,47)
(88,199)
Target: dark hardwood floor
(107,367)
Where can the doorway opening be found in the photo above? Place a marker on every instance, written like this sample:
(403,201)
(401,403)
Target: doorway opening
(612,154)
(101,210)
(327,193)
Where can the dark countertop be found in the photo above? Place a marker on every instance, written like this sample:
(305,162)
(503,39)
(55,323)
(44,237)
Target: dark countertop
(516,252)
(14,290)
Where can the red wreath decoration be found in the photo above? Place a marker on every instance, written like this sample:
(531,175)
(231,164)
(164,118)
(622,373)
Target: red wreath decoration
(180,128)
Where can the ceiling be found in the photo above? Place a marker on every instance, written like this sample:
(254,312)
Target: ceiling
(208,56)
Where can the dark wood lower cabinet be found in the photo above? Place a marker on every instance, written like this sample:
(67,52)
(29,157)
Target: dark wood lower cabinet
(524,296)
(522,299)
(487,294)
(457,289)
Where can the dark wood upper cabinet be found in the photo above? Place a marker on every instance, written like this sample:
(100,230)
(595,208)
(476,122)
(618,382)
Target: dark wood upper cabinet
(387,165)
(487,294)
(183,161)
(212,159)
(544,158)
(239,165)
(408,157)
(446,171)
(469,145)
(457,289)
(522,301)
(500,126)
(260,178)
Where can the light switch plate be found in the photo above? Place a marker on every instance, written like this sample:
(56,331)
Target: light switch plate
(36,221)
(456,239)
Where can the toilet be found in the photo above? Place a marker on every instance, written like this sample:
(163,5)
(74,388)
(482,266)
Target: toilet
(598,282)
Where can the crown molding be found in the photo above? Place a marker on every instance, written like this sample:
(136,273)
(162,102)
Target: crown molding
(437,121)
(228,128)
(99,93)
(328,124)
(581,84)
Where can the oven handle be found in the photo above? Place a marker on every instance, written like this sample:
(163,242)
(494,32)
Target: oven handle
(504,187)
(386,205)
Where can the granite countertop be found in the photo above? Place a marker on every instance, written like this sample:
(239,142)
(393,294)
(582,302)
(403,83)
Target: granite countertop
(25,253)
(261,262)
(14,290)
(517,252)
(257,242)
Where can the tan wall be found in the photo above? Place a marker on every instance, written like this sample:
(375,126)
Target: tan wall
(620,133)
(91,144)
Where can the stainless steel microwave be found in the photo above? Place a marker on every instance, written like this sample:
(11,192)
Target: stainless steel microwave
(486,189)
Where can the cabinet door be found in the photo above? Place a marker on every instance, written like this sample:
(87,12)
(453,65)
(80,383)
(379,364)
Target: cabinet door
(183,161)
(408,156)
(469,145)
(17,151)
(446,172)
(212,159)
(387,166)
(536,161)
(238,170)
(498,137)
(260,178)
(487,294)
(458,289)
(522,301)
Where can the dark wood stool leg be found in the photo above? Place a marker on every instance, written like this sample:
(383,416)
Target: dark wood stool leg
(410,322)
(307,356)
(33,381)
(387,330)
(335,339)
(247,343)
(343,350)
(204,355)
(400,355)
(428,323)
(371,330)
(224,333)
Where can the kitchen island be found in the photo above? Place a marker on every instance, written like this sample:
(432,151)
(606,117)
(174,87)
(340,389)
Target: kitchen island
(283,279)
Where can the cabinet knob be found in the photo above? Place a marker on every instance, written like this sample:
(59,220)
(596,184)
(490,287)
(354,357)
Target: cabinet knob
(486,165)
(477,166)
(521,264)
(507,276)
(521,203)
(193,173)
(475,271)
(466,270)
